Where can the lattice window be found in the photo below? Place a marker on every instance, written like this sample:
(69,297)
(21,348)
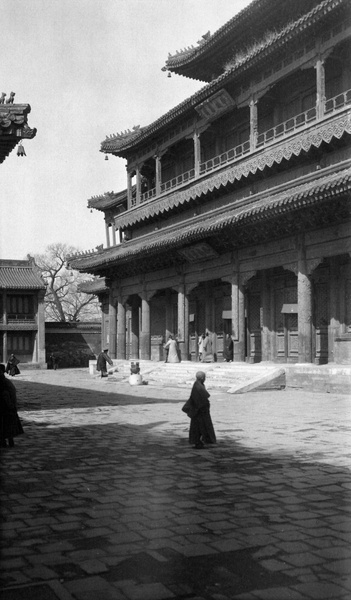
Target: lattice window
(254,312)
(218,315)
(291,295)
(348,305)
(20,343)
(321,295)
(279,317)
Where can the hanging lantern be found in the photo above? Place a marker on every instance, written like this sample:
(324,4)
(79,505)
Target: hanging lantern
(20,150)
(106,157)
(169,74)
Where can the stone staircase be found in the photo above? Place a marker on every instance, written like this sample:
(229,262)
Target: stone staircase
(238,378)
(231,377)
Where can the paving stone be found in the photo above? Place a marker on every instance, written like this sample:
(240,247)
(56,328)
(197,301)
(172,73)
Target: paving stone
(40,572)
(147,591)
(93,566)
(125,484)
(278,593)
(320,591)
(88,584)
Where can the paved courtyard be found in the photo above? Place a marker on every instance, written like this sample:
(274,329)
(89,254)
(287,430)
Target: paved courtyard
(104,499)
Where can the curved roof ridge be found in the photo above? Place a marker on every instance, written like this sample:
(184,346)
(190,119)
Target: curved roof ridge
(109,145)
(208,39)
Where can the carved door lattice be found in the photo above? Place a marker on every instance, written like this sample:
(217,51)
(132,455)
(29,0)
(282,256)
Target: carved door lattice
(254,327)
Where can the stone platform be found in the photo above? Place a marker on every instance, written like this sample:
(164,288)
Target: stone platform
(238,378)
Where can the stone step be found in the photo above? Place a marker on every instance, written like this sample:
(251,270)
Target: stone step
(238,378)
(232,377)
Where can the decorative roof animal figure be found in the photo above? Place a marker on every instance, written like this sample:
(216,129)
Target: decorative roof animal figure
(10,98)
(2,99)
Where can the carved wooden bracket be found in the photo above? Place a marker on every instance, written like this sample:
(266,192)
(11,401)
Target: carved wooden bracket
(189,287)
(244,277)
(292,267)
(147,295)
(312,264)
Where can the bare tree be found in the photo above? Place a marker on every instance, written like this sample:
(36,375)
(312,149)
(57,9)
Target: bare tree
(63,300)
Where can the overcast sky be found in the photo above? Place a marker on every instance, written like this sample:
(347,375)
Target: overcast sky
(88,68)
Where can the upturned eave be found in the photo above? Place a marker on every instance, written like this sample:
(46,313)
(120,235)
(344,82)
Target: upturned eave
(122,144)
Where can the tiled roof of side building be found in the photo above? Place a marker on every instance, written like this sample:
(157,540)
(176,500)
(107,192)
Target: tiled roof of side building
(121,144)
(93,287)
(259,207)
(13,127)
(19,275)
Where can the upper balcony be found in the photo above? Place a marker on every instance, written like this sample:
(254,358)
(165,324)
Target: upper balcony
(257,141)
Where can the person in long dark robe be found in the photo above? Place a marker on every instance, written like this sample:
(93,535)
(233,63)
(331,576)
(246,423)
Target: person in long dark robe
(12,367)
(10,424)
(102,361)
(228,348)
(201,428)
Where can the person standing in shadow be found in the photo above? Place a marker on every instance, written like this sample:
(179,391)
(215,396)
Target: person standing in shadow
(10,424)
(197,408)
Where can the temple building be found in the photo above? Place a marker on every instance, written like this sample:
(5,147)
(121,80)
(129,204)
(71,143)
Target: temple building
(236,213)
(22,311)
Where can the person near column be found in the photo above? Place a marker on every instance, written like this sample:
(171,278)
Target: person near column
(206,347)
(201,430)
(172,347)
(102,361)
(10,425)
(201,345)
(167,349)
(228,348)
(11,367)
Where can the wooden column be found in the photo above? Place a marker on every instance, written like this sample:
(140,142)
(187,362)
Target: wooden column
(238,319)
(197,153)
(41,328)
(266,319)
(4,347)
(113,234)
(304,297)
(129,189)
(334,315)
(4,317)
(138,185)
(121,329)
(135,330)
(186,327)
(181,319)
(107,229)
(145,333)
(158,171)
(253,124)
(169,324)
(320,84)
(112,324)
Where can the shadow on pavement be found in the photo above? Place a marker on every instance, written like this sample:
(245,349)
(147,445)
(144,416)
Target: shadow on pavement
(224,521)
(34,395)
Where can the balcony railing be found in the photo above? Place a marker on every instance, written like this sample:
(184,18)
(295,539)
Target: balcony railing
(179,180)
(225,157)
(287,127)
(339,101)
(277,132)
(148,195)
(18,319)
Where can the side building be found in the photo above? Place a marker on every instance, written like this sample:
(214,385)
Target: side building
(236,214)
(22,312)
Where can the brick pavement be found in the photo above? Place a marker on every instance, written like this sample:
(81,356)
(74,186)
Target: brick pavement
(103,498)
